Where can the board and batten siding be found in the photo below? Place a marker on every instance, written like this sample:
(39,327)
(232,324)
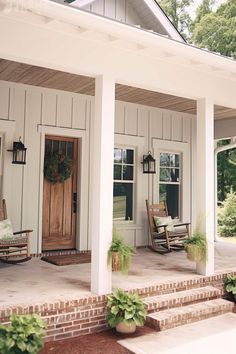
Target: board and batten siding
(120,10)
(23,109)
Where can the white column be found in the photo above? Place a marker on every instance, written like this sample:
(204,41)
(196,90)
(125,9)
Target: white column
(205,179)
(101,189)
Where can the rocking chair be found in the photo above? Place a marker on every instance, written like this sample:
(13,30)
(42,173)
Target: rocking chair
(162,239)
(16,250)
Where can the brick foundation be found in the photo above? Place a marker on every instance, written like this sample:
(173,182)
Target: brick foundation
(68,319)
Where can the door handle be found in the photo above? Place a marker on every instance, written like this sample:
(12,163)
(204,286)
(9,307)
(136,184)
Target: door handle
(74,202)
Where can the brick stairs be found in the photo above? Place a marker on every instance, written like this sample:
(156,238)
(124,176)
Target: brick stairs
(182,307)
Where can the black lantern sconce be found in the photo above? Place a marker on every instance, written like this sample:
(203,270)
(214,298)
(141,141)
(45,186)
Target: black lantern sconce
(18,153)
(149,163)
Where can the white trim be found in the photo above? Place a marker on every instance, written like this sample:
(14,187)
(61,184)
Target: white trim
(184,149)
(82,181)
(81,3)
(163,19)
(137,143)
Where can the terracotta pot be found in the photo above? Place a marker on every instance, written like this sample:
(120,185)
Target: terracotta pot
(126,329)
(115,262)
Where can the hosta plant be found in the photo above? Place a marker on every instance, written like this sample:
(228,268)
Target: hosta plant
(23,336)
(230,284)
(127,308)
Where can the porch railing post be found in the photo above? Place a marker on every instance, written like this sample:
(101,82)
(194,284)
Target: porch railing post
(101,184)
(205,201)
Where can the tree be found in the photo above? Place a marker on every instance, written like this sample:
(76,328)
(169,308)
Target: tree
(227,216)
(177,11)
(216,30)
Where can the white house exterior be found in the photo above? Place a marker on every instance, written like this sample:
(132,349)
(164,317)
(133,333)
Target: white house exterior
(131,89)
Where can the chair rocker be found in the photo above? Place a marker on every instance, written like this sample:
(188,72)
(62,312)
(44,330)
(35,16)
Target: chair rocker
(163,240)
(16,250)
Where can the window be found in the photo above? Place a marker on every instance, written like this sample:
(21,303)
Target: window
(123,188)
(170,181)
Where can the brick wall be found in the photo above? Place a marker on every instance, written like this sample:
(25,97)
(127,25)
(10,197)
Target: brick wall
(68,319)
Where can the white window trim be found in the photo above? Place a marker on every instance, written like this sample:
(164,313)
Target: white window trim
(133,181)
(185,192)
(136,143)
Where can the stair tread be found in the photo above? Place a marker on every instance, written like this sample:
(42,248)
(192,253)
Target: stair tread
(193,308)
(195,292)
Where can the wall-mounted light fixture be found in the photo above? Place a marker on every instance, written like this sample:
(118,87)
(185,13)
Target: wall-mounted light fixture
(18,153)
(149,163)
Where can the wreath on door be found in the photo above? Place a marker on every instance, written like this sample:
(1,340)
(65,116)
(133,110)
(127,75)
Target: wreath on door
(57,168)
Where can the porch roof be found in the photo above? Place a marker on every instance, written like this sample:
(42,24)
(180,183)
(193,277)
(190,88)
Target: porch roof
(145,40)
(138,59)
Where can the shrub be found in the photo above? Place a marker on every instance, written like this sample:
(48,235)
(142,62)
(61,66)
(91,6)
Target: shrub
(23,336)
(227,216)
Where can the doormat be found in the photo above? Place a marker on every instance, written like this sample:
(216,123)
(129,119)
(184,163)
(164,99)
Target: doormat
(67,259)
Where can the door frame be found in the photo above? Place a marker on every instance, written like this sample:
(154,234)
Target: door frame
(82,181)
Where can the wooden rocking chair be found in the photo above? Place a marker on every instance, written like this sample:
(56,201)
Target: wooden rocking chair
(17,250)
(164,241)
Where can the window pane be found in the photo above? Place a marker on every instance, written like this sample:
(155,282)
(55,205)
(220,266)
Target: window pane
(117,172)
(128,156)
(123,201)
(174,160)
(55,147)
(170,194)
(118,155)
(174,175)
(128,173)
(164,159)
(165,175)
(70,150)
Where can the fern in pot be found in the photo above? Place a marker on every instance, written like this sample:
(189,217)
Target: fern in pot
(125,311)
(196,247)
(120,254)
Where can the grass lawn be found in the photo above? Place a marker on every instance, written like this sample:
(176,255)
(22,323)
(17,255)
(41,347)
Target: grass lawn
(228,239)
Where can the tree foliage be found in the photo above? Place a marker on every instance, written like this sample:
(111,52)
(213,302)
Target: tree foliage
(227,216)
(216,29)
(177,11)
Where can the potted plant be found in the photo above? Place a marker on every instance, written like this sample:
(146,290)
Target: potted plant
(125,311)
(196,247)
(23,335)
(119,254)
(230,285)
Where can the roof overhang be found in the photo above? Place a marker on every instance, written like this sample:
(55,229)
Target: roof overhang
(145,47)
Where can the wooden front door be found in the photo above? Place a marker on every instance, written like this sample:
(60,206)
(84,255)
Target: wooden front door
(60,199)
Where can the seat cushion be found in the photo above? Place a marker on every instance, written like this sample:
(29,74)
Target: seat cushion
(164,220)
(6,234)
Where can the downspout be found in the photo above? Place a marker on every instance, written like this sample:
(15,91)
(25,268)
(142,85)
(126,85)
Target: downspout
(216,152)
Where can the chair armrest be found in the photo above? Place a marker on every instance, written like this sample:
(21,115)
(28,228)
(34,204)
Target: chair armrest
(22,232)
(182,224)
(164,225)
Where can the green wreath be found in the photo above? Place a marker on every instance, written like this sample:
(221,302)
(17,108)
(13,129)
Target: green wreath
(57,168)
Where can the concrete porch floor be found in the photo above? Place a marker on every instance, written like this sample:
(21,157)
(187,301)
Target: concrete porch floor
(39,282)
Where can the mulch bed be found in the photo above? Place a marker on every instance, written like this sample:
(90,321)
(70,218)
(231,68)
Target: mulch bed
(97,343)
(67,259)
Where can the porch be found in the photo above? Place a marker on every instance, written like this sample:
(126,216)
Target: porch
(39,283)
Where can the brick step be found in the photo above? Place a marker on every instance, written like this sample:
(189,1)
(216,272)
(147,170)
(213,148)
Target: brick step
(187,314)
(176,299)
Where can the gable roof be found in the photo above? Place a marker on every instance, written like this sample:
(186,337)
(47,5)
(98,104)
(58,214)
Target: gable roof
(150,13)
